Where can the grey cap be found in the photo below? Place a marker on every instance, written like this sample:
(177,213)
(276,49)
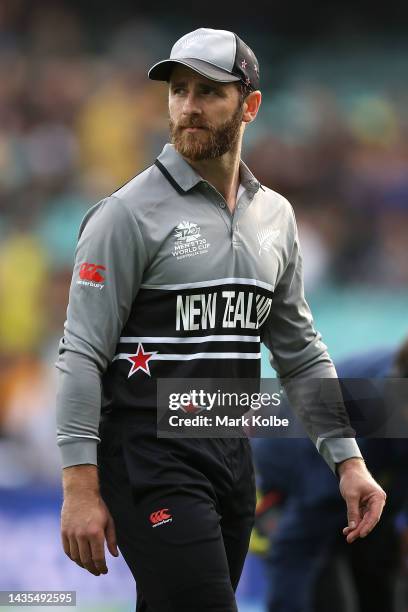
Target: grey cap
(219,55)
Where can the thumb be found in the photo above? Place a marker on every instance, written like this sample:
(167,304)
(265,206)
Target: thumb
(110,535)
(353,514)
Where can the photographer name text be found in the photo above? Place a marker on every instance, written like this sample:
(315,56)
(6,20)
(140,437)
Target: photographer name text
(226,421)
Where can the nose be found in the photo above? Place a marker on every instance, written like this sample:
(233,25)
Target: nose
(191,105)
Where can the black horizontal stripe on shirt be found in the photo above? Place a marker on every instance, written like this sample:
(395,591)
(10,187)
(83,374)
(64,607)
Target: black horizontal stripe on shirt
(186,348)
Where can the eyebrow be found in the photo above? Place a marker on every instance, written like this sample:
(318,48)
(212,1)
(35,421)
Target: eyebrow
(201,84)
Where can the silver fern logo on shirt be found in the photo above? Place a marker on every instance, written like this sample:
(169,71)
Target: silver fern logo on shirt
(266,238)
(188,240)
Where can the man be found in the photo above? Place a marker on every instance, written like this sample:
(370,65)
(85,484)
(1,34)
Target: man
(174,277)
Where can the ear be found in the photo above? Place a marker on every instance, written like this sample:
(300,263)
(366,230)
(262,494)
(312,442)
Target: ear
(251,106)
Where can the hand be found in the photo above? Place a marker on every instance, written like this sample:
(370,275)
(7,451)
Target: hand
(364,497)
(85,523)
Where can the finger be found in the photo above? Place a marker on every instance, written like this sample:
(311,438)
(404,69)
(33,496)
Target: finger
(110,535)
(65,545)
(363,529)
(86,556)
(353,511)
(369,520)
(74,551)
(347,530)
(98,553)
(352,532)
(372,515)
(356,533)
(352,535)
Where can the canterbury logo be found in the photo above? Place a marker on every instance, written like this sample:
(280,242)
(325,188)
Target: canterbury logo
(160,517)
(89,272)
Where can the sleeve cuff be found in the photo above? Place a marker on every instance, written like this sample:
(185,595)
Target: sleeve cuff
(335,450)
(79,452)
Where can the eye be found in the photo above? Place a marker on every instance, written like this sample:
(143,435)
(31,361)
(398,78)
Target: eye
(209,90)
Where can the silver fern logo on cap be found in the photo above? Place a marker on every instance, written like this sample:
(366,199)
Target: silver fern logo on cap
(266,238)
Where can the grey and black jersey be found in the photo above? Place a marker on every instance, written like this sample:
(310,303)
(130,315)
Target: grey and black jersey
(168,282)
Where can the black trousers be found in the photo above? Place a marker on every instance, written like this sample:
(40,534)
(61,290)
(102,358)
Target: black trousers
(183,511)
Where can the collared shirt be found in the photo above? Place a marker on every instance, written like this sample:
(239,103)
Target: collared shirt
(169,283)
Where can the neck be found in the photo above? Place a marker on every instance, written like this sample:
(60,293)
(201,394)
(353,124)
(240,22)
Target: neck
(222,172)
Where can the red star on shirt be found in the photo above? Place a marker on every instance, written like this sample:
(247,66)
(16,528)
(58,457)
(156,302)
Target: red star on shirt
(139,361)
(191,408)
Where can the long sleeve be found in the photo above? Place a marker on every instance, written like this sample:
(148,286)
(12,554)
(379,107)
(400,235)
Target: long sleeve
(299,357)
(109,261)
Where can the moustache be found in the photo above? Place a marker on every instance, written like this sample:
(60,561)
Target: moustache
(191,125)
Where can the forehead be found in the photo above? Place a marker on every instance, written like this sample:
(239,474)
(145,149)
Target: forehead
(187,75)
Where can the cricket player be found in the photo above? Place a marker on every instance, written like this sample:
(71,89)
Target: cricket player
(182,273)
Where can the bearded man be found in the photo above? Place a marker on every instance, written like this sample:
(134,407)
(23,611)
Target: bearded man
(182,273)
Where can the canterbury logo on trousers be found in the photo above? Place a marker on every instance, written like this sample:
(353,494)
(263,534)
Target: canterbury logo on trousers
(160,517)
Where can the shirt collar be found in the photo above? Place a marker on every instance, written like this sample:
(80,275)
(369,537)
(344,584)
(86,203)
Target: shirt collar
(186,177)
(248,180)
